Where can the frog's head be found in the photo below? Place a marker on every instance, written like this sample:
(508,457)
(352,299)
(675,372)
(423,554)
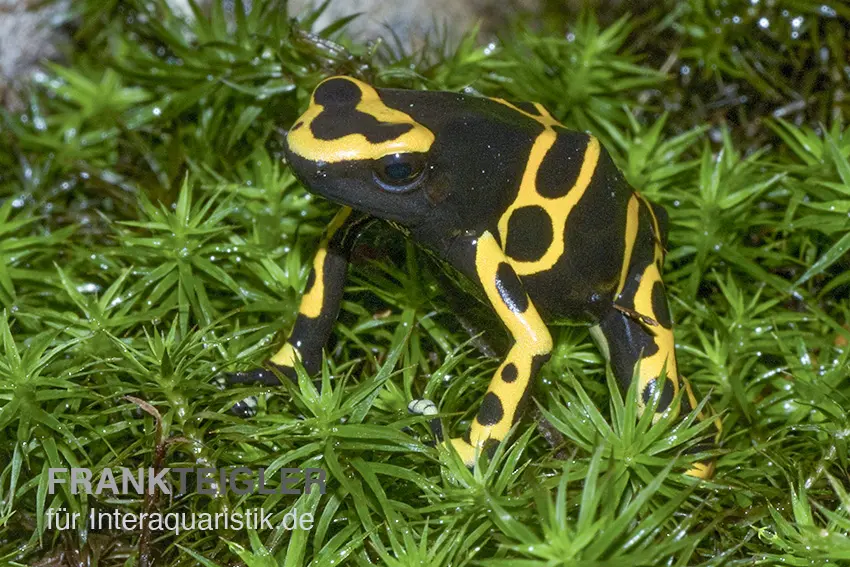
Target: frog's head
(352,148)
(398,154)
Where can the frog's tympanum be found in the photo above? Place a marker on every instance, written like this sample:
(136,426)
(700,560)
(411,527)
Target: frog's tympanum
(536,215)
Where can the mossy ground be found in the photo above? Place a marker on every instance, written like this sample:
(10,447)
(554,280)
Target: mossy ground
(152,238)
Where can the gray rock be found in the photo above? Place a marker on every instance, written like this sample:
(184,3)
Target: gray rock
(31,30)
(29,33)
(414,20)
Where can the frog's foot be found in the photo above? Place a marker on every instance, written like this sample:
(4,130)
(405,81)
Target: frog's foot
(469,453)
(268,376)
(465,449)
(428,408)
(703,470)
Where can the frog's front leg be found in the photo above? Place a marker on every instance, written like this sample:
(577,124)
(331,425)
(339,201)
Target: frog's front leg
(532,346)
(317,311)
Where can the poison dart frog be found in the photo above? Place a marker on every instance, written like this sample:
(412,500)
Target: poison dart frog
(537,216)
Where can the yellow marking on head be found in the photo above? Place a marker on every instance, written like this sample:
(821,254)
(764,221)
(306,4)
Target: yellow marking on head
(531,338)
(355,146)
(558,208)
(286,356)
(632,216)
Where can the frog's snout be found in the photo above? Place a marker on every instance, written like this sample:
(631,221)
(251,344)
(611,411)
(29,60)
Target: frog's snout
(284,136)
(290,158)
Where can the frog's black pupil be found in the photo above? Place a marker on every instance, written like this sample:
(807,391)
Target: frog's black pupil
(399,171)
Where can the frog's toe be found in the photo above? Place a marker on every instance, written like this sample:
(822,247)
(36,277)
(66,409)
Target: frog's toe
(429,409)
(422,407)
(267,376)
(247,407)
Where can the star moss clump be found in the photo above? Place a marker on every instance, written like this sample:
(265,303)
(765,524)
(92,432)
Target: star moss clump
(151,238)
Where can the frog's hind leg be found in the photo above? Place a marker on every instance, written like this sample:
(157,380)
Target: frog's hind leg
(628,342)
(636,335)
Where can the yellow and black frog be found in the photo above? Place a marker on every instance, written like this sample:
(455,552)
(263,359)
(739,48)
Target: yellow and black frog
(536,215)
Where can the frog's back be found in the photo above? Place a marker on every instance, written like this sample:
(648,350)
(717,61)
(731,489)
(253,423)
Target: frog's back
(568,235)
(568,221)
(553,198)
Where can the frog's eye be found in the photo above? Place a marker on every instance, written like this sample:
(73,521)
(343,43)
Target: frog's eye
(399,172)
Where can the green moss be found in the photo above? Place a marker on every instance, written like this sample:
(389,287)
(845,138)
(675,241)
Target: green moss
(150,238)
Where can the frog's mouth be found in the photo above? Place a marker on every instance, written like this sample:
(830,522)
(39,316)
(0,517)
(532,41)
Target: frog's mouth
(296,164)
(353,184)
